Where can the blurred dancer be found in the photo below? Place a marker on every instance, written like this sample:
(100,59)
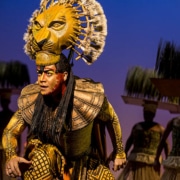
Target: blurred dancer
(145,137)
(172,163)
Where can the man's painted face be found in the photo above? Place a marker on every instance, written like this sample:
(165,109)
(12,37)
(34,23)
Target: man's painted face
(51,83)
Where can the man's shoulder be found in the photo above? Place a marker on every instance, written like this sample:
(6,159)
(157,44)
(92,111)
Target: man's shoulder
(138,123)
(160,127)
(30,89)
(26,101)
(88,84)
(28,95)
(88,100)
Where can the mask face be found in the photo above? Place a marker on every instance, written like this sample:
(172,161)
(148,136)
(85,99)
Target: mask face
(55,28)
(51,83)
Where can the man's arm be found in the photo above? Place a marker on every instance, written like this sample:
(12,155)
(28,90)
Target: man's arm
(11,134)
(10,143)
(108,115)
(163,143)
(129,143)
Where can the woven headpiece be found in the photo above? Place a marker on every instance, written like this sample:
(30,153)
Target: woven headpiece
(78,25)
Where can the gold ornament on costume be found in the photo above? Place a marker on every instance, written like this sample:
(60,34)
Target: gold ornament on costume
(60,25)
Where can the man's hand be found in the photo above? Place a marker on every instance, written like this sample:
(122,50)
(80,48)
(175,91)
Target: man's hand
(14,164)
(118,164)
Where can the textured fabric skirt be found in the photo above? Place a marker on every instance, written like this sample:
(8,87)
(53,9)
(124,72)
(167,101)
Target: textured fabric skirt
(139,171)
(49,164)
(171,174)
(171,168)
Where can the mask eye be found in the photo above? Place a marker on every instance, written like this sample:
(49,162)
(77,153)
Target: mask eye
(37,25)
(57,25)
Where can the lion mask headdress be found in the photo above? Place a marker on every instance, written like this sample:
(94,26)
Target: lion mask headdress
(76,25)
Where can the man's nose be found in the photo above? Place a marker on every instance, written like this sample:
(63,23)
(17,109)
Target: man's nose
(42,77)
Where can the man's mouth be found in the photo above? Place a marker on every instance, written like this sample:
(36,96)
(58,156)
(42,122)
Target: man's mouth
(43,87)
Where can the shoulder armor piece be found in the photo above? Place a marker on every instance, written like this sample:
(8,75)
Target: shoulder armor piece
(88,100)
(26,101)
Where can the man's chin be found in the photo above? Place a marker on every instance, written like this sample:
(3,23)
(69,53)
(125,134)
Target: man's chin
(44,93)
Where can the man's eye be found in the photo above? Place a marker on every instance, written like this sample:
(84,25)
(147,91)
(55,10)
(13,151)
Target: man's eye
(39,73)
(49,73)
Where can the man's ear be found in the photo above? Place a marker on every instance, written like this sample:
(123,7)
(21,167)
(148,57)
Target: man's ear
(65,75)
